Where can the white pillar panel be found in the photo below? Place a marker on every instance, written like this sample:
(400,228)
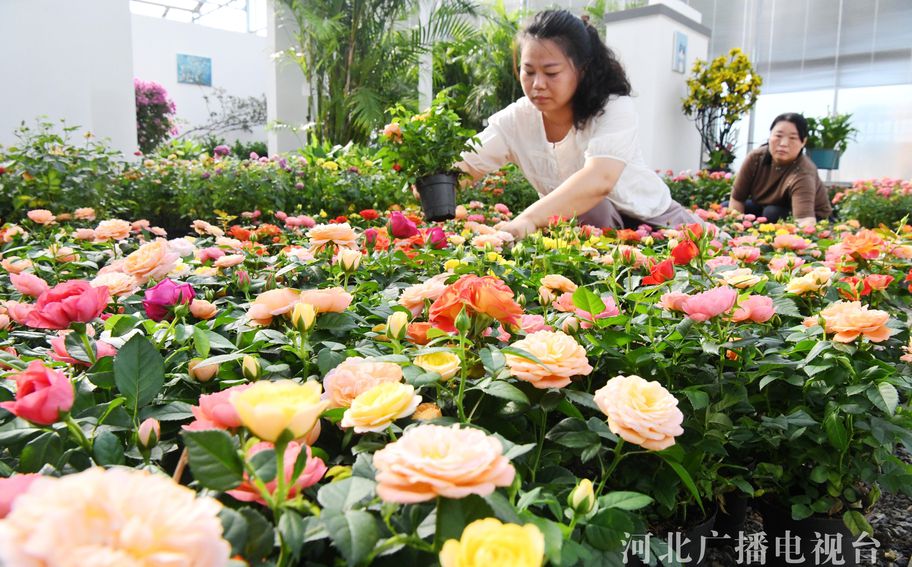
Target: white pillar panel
(286,87)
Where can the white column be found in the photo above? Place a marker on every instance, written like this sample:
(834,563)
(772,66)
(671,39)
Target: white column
(286,89)
(426,61)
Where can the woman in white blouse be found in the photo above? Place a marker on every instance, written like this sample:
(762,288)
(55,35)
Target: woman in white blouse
(574,135)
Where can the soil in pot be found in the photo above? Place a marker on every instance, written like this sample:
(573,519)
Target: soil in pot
(689,543)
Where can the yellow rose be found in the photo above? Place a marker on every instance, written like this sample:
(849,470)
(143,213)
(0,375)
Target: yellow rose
(444,363)
(814,281)
(269,408)
(377,408)
(303,316)
(396,325)
(741,278)
(489,542)
(451,264)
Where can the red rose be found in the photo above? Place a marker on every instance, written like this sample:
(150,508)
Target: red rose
(684,252)
(661,272)
(369,214)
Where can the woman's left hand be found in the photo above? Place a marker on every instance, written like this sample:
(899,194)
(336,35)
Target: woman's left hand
(518,227)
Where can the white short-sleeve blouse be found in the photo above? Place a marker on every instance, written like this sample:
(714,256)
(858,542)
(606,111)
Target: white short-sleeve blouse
(517,134)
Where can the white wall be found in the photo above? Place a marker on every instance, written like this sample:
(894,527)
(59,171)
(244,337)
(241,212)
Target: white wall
(68,60)
(287,93)
(240,64)
(669,139)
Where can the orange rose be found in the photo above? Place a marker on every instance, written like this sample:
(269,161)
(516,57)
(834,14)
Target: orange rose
(202,309)
(865,244)
(41,216)
(485,295)
(271,303)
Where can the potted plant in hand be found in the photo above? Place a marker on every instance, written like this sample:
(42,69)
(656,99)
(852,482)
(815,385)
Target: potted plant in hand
(828,137)
(424,148)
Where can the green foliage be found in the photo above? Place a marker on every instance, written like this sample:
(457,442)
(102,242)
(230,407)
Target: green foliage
(359,55)
(719,94)
(875,202)
(239,149)
(702,189)
(508,186)
(431,142)
(46,169)
(830,132)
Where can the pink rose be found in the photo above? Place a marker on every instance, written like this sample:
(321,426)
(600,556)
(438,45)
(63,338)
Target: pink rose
(706,305)
(674,301)
(210,253)
(437,238)
(29,284)
(533,323)
(585,318)
(164,295)
(42,394)
(12,487)
(60,354)
(312,473)
(329,300)
(215,411)
(400,226)
(757,308)
(69,302)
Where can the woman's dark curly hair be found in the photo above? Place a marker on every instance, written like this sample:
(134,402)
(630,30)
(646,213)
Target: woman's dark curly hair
(601,74)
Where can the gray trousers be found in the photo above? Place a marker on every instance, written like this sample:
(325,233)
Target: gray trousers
(606,215)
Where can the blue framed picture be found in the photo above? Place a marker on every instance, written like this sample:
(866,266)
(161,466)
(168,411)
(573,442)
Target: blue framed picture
(679,56)
(194,70)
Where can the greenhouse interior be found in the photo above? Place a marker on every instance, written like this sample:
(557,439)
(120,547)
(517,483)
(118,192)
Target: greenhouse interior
(455,282)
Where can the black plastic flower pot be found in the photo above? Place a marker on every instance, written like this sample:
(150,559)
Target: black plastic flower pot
(438,196)
(807,535)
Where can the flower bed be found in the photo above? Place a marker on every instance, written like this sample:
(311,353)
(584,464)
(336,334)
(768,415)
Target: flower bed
(411,381)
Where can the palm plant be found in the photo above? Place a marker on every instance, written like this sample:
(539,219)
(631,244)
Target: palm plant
(357,56)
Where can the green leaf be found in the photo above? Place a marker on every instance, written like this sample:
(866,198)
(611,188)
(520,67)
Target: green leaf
(856,522)
(344,494)
(585,299)
(884,397)
(46,449)
(625,500)
(354,533)
(173,411)
(77,350)
(102,373)
(214,459)
(836,432)
(454,515)
(201,341)
(606,530)
(687,480)
(261,536)
(554,538)
(139,371)
(264,464)
(107,449)
(698,398)
(505,391)
(234,529)
(502,508)
(492,359)
(292,531)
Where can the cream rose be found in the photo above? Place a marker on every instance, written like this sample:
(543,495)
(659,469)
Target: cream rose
(356,375)
(112,229)
(378,407)
(560,355)
(445,363)
(643,413)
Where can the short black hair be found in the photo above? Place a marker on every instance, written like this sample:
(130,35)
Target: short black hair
(798,120)
(601,73)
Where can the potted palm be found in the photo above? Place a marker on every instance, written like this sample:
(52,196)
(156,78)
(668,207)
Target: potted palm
(828,137)
(424,149)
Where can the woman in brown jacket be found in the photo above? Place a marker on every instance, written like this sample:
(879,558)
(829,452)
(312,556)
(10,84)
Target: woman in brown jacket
(777,179)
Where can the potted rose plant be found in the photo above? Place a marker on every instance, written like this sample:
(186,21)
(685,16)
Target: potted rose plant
(424,148)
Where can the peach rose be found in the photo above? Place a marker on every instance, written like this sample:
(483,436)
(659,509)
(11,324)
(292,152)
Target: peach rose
(354,376)
(202,309)
(229,261)
(848,320)
(757,308)
(202,227)
(426,412)
(432,460)
(641,412)
(29,284)
(908,350)
(62,253)
(378,407)
(271,303)
(674,301)
(415,296)
(329,300)
(84,213)
(151,261)
(341,235)
(113,229)
(119,516)
(553,285)
(84,234)
(790,242)
(15,265)
(41,216)
(779,264)
(118,283)
(560,355)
